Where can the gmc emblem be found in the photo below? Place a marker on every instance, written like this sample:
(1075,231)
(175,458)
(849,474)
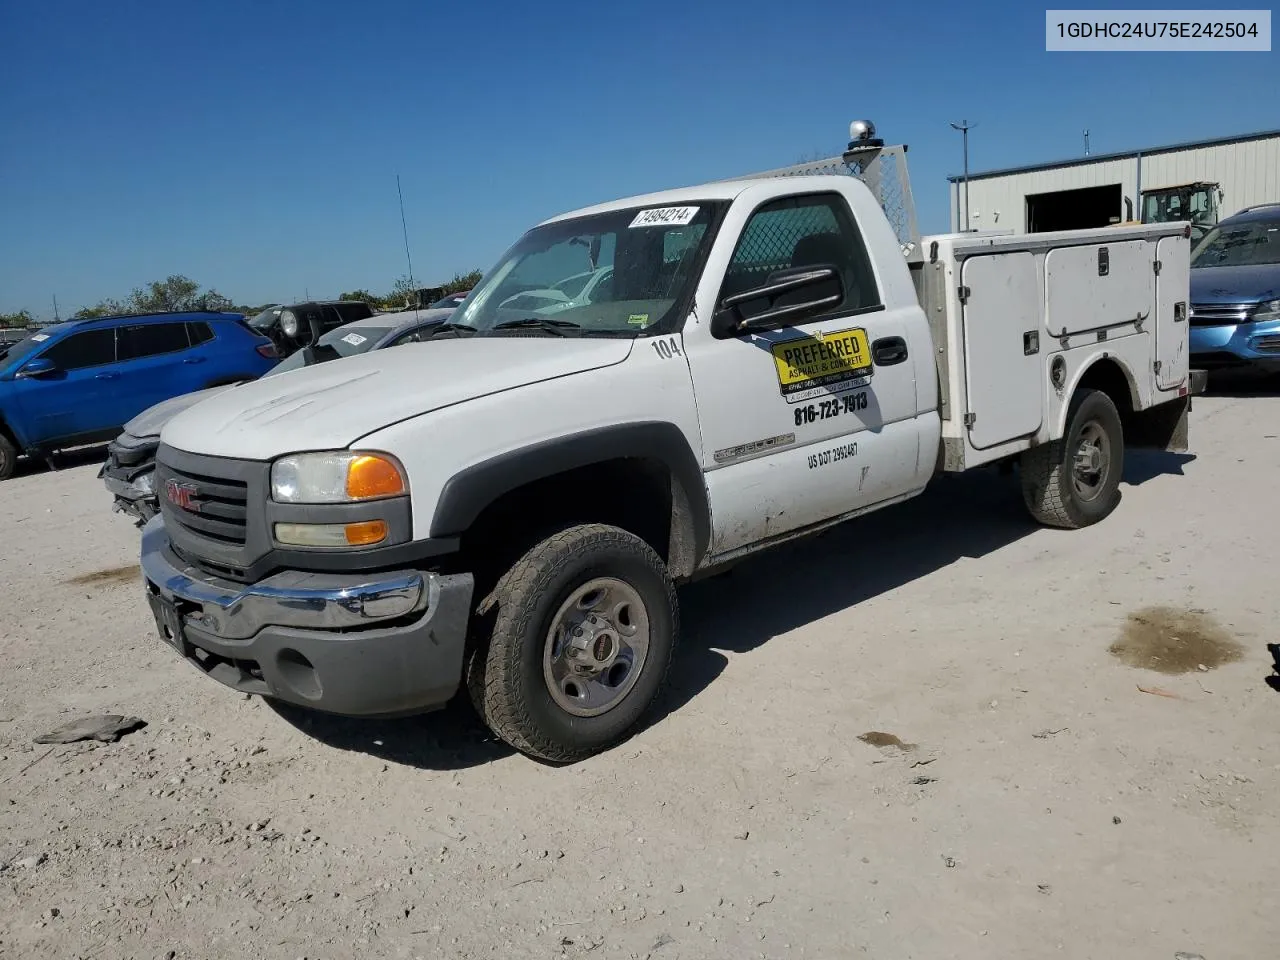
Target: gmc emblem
(181,495)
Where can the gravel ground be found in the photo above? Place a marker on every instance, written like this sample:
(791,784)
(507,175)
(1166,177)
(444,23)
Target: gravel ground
(936,732)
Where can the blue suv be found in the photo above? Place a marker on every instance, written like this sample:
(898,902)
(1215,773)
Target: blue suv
(1235,293)
(78,382)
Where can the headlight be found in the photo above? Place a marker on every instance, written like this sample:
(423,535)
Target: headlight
(1268,311)
(147,482)
(339,476)
(289,323)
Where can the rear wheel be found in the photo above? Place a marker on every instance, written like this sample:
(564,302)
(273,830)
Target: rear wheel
(8,457)
(583,628)
(1075,481)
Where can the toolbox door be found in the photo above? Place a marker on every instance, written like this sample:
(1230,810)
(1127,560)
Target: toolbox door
(1002,350)
(1095,285)
(1173,284)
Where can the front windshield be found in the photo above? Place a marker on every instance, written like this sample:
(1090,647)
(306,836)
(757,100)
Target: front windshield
(1238,245)
(13,352)
(621,273)
(1170,206)
(264,320)
(342,342)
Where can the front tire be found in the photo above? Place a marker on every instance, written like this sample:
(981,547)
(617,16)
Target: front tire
(8,457)
(583,629)
(1075,482)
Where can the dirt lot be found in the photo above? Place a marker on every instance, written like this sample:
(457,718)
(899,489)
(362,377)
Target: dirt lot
(936,732)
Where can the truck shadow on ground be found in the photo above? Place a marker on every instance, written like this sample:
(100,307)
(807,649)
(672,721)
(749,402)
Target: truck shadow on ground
(1143,465)
(961,516)
(449,739)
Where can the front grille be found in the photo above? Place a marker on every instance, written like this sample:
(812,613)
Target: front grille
(1220,314)
(214,507)
(1268,344)
(214,510)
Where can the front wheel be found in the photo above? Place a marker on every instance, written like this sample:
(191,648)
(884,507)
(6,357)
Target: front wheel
(583,629)
(8,457)
(1075,481)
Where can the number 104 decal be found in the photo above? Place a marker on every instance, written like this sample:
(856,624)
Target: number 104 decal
(667,347)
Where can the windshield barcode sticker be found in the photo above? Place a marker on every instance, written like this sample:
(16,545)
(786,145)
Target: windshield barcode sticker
(665,217)
(354,339)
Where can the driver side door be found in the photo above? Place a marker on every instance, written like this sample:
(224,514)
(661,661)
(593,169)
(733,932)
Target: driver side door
(812,418)
(81,399)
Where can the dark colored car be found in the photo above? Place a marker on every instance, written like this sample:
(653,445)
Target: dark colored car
(77,382)
(450,301)
(293,326)
(131,457)
(1235,293)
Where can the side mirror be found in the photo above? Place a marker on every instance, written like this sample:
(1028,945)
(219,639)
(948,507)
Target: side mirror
(786,298)
(39,367)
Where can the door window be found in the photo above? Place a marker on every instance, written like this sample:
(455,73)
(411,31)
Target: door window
(152,339)
(416,335)
(804,231)
(92,348)
(349,311)
(199,332)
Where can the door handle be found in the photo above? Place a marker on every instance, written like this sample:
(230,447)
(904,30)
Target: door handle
(107,376)
(889,350)
(194,360)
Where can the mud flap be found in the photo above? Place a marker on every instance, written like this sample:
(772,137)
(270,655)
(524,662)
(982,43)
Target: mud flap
(1162,427)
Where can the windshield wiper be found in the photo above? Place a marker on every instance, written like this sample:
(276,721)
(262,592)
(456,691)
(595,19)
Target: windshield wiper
(558,327)
(454,328)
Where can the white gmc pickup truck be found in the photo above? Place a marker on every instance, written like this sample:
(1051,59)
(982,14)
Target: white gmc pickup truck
(638,394)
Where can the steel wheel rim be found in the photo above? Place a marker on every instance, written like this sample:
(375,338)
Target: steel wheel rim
(596,647)
(1092,461)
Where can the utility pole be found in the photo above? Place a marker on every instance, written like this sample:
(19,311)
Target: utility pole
(964,126)
(1086,141)
(56,318)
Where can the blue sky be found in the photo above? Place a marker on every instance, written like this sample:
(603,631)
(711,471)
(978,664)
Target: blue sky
(254,146)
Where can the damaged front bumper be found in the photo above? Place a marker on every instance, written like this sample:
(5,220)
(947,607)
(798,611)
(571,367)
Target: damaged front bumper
(129,475)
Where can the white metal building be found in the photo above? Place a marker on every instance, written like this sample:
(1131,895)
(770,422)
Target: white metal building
(1107,188)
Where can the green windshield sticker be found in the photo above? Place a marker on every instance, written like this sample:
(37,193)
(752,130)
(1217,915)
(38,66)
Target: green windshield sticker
(639,319)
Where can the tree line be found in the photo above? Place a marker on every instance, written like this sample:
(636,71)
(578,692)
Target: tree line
(178,293)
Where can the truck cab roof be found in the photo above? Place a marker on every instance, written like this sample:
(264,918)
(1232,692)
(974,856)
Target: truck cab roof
(714,190)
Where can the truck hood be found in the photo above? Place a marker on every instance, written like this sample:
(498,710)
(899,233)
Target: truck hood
(331,405)
(1250,283)
(151,420)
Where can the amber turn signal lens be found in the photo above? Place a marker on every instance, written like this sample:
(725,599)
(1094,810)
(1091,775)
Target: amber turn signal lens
(361,534)
(366,532)
(371,476)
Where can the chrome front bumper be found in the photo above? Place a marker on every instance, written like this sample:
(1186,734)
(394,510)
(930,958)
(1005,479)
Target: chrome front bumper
(314,601)
(354,644)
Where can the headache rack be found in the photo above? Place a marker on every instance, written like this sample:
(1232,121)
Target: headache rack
(882,168)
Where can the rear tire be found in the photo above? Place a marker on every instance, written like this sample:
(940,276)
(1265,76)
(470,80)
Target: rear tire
(8,457)
(589,598)
(1075,482)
